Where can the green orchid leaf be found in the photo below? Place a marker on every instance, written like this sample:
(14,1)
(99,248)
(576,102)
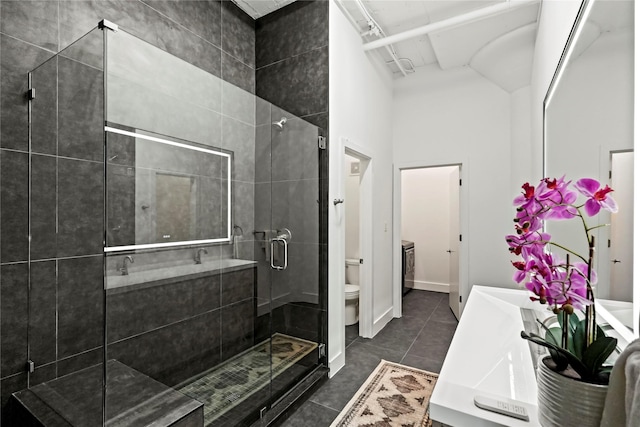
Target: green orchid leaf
(578,339)
(597,353)
(560,317)
(603,377)
(559,359)
(599,332)
(574,321)
(554,336)
(575,363)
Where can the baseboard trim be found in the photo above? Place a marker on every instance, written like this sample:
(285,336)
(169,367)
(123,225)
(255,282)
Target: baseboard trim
(431,286)
(336,363)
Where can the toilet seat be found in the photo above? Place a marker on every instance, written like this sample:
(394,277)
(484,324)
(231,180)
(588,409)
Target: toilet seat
(351,291)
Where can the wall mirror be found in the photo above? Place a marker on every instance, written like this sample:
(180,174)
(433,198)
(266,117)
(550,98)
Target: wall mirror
(588,132)
(162,192)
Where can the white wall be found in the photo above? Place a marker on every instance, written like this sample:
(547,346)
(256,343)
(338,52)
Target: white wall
(457,116)
(360,103)
(352,210)
(521,138)
(554,26)
(425,221)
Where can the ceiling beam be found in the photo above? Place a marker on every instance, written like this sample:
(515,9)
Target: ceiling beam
(445,23)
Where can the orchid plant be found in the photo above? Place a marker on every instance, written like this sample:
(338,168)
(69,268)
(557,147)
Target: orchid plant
(556,281)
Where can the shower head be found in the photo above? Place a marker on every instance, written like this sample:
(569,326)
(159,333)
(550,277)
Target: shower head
(280,124)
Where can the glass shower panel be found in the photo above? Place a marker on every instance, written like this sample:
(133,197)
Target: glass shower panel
(294,186)
(181,274)
(66,299)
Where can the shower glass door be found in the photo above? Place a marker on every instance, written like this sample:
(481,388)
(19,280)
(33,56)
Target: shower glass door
(213,308)
(288,211)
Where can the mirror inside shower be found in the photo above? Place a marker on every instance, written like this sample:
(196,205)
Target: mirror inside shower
(162,191)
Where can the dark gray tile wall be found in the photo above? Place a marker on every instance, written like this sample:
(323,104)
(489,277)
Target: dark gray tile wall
(173,331)
(292,47)
(292,51)
(66,265)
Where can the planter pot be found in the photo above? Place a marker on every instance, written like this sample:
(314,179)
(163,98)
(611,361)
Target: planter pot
(564,401)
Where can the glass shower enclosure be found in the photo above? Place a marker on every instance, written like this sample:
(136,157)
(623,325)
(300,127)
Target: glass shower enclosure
(200,209)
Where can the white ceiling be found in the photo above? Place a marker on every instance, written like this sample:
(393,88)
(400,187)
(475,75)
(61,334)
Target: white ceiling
(498,46)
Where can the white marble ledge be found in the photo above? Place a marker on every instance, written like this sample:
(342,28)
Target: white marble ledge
(155,274)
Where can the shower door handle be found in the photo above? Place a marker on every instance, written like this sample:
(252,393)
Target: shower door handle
(285,245)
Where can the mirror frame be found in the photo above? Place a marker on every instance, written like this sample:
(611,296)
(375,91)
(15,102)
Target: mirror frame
(578,25)
(222,154)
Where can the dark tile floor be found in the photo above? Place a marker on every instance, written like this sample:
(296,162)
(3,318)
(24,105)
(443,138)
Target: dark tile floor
(420,338)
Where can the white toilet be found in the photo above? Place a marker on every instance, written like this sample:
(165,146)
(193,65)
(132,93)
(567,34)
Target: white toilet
(352,291)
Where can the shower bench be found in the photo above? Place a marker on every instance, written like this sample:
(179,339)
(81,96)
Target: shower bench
(133,399)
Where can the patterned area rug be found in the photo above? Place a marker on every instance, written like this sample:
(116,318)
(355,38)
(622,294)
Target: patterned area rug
(232,382)
(393,396)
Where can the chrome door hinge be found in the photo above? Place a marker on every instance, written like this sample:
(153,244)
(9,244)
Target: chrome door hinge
(322,142)
(31,94)
(322,350)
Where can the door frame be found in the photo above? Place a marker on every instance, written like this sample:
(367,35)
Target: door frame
(463,266)
(362,153)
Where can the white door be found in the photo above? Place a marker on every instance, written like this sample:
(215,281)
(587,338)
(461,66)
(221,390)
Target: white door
(454,241)
(621,252)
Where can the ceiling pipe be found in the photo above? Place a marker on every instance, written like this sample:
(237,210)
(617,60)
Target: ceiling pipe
(377,29)
(455,20)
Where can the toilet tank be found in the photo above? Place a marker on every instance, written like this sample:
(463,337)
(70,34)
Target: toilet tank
(353,271)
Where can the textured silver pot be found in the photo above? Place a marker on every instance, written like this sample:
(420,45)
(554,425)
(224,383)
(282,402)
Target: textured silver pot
(564,401)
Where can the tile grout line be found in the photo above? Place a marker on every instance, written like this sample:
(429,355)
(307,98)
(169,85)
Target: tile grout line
(421,329)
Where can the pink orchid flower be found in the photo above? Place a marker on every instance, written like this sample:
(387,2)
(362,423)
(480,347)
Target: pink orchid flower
(598,197)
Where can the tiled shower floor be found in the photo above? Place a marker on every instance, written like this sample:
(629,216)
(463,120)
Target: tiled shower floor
(227,385)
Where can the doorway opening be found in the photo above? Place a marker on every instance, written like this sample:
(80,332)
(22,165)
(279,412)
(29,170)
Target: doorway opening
(352,245)
(621,233)
(430,222)
(357,190)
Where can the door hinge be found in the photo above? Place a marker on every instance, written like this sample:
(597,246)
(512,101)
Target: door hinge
(31,367)
(460,298)
(263,412)
(609,243)
(460,182)
(460,237)
(322,350)
(31,94)
(322,142)
(361,261)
